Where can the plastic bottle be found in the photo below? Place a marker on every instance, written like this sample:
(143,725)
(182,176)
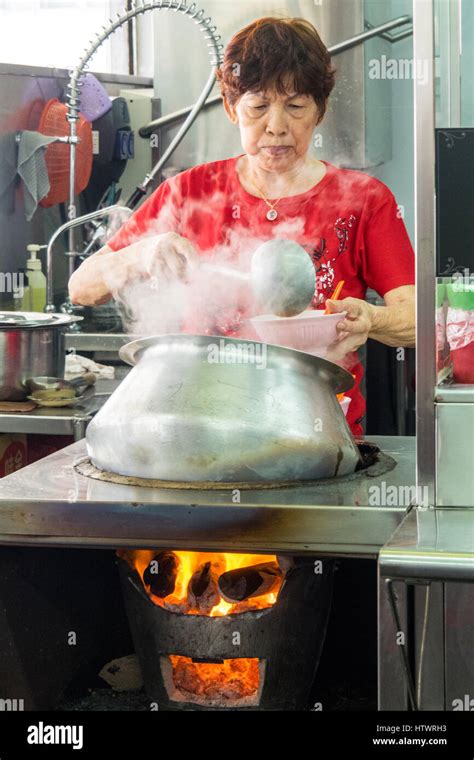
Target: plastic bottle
(17,302)
(36,279)
(22,298)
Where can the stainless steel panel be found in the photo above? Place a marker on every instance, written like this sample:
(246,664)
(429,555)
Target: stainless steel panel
(48,502)
(459,646)
(434,549)
(448,16)
(454,455)
(424,158)
(455,394)
(444,641)
(392,691)
(431,544)
(104,342)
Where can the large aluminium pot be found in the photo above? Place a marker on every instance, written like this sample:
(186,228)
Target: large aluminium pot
(200,408)
(31,345)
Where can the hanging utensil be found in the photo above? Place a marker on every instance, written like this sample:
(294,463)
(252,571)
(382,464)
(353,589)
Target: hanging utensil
(54,122)
(282,277)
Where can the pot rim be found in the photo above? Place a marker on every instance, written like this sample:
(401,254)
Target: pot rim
(342,380)
(37,320)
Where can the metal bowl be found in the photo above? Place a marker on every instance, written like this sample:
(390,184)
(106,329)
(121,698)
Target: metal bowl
(203,408)
(57,383)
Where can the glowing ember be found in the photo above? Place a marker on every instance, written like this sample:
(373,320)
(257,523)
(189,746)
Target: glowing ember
(195,580)
(231,680)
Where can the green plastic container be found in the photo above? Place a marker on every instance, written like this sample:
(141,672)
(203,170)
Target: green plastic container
(461,295)
(440,293)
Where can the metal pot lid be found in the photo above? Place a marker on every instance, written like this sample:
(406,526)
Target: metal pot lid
(340,378)
(11,319)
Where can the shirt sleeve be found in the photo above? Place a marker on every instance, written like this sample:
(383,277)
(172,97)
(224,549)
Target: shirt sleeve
(388,259)
(158,214)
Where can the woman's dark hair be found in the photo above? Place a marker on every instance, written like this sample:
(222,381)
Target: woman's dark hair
(270,53)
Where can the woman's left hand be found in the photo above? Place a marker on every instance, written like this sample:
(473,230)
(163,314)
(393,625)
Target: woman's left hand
(353,330)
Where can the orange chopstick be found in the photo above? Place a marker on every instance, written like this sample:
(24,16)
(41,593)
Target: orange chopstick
(335,295)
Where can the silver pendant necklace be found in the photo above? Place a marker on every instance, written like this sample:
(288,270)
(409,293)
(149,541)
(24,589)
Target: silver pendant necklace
(272,213)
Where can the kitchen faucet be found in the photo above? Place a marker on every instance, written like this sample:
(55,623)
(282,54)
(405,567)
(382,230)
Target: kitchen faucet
(67,306)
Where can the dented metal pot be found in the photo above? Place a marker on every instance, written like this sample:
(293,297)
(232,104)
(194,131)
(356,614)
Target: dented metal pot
(203,408)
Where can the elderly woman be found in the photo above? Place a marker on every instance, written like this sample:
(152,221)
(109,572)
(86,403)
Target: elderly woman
(275,81)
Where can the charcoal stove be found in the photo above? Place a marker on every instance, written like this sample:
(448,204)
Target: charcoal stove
(263,659)
(236,658)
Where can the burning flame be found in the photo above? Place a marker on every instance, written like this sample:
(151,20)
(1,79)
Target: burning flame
(189,563)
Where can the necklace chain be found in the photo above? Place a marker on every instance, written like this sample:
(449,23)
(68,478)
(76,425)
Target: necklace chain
(272,214)
(264,198)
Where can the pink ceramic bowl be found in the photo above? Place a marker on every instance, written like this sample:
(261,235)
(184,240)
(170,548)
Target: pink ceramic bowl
(311,331)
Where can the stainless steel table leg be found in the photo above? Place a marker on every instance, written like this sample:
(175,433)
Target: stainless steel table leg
(402,644)
(79,427)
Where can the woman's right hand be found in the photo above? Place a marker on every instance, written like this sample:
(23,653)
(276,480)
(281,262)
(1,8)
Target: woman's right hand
(105,273)
(167,257)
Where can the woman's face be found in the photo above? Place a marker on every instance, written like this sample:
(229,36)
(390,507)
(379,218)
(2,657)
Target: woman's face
(275,129)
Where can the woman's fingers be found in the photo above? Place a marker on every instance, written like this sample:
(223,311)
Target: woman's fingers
(187,250)
(357,319)
(335,306)
(353,330)
(174,264)
(353,326)
(338,350)
(348,305)
(168,256)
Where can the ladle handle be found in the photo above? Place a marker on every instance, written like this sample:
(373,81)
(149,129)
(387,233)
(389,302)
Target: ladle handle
(225,271)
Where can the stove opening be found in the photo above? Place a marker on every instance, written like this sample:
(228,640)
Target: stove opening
(230,683)
(207,583)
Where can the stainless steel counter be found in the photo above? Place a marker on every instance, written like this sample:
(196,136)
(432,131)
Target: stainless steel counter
(95,341)
(68,420)
(49,503)
(431,544)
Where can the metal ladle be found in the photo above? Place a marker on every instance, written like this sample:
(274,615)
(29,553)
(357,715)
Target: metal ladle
(282,277)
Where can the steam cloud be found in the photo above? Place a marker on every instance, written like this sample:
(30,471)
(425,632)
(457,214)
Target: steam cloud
(206,302)
(210,303)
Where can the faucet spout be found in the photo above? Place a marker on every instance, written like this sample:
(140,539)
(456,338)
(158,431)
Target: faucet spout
(67,225)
